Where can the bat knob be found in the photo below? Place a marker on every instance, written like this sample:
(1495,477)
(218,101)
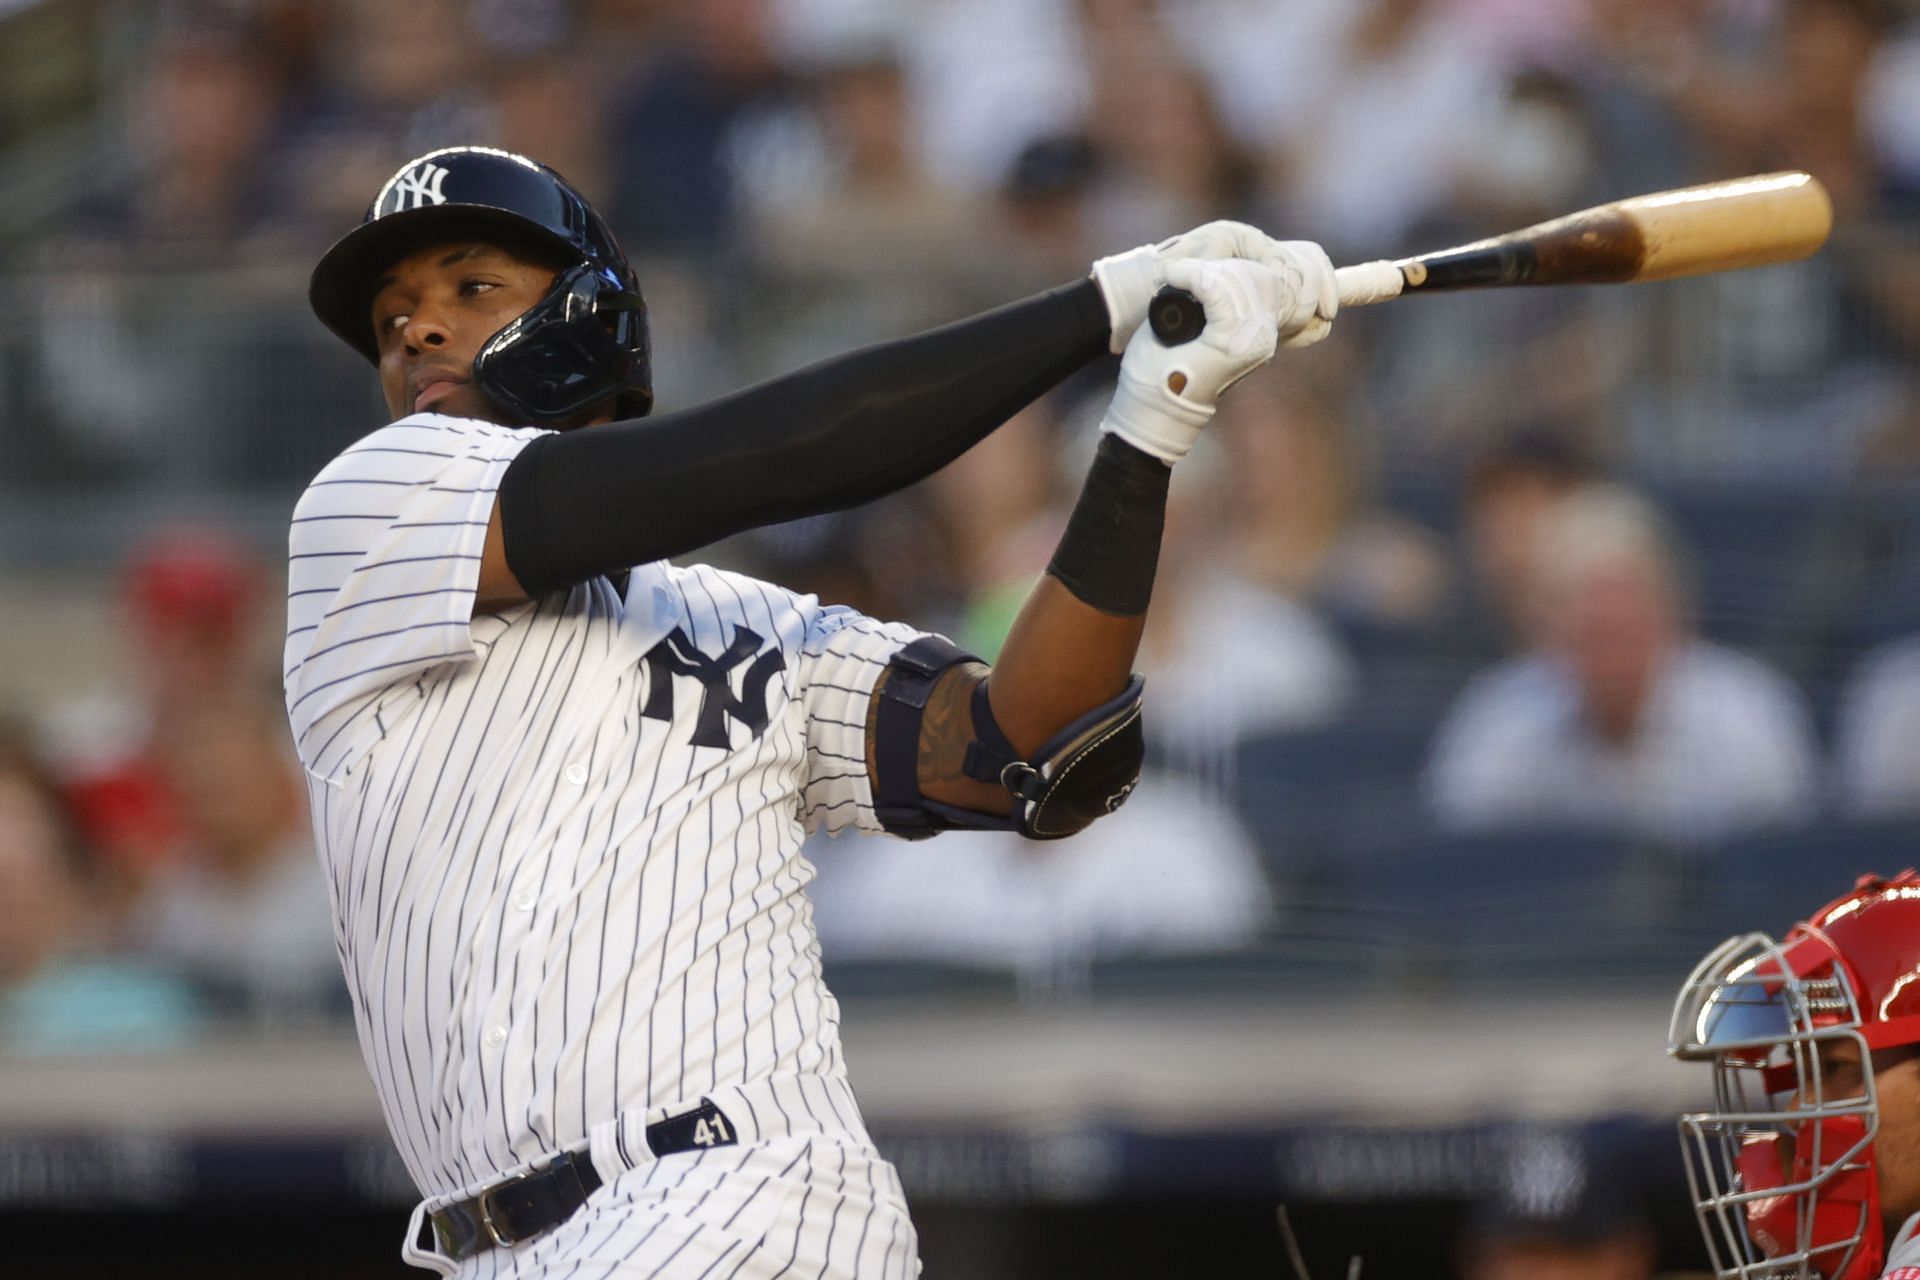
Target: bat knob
(1175,316)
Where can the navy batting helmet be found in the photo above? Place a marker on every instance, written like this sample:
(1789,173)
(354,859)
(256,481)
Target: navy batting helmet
(584,343)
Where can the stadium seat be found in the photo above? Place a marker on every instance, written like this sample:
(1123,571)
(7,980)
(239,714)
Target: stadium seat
(1768,881)
(1320,796)
(1743,542)
(1553,905)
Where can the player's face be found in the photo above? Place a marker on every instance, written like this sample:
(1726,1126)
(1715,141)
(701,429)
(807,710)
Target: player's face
(1896,1078)
(435,309)
(1896,1147)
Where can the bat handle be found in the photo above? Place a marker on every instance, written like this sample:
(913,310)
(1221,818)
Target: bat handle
(1365,283)
(1175,316)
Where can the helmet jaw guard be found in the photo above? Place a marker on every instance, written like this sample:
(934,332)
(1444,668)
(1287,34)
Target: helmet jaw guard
(584,344)
(576,348)
(1782,1175)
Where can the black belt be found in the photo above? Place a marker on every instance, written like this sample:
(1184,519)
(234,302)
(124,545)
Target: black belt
(525,1205)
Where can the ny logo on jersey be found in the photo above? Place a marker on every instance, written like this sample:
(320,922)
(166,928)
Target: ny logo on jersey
(677,656)
(419,187)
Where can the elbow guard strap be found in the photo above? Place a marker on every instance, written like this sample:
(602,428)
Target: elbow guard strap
(1083,772)
(911,675)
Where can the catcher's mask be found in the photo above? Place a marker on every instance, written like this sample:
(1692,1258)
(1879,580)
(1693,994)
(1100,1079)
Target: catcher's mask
(582,345)
(1782,1168)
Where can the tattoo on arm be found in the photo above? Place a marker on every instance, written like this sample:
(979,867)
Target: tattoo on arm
(946,727)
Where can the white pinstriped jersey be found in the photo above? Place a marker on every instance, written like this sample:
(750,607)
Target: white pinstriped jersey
(564,837)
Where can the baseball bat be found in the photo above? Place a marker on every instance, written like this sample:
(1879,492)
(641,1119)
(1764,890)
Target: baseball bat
(1720,226)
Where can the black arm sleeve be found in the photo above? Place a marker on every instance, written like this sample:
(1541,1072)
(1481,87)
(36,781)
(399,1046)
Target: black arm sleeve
(1111,549)
(855,428)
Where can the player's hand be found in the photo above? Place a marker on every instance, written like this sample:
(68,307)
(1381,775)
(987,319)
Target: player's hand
(1129,280)
(1166,394)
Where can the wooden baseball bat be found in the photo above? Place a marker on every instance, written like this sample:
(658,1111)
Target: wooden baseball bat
(1721,226)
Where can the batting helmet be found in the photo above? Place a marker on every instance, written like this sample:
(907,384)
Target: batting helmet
(1783,1170)
(582,344)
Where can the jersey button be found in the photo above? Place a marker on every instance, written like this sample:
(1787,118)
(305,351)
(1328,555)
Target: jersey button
(496,1036)
(577,774)
(525,899)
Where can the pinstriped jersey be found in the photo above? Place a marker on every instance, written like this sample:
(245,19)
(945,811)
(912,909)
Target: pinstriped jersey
(563,837)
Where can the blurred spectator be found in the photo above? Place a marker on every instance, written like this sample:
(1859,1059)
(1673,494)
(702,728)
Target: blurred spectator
(1557,1213)
(544,107)
(1511,489)
(1877,738)
(623,23)
(1827,51)
(201,119)
(1892,115)
(1401,97)
(1170,871)
(1622,718)
(1265,61)
(1779,375)
(1447,379)
(397,81)
(713,105)
(1673,84)
(1299,519)
(190,612)
(58,992)
(245,913)
(871,246)
(979,96)
(192,196)
(1167,161)
(1000,508)
(1228,658)
(1044,229)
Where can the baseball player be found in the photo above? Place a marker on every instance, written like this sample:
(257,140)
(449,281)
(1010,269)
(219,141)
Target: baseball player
(561,785)
(1808,1165)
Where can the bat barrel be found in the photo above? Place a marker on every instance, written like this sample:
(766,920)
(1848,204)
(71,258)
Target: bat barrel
(1724,226)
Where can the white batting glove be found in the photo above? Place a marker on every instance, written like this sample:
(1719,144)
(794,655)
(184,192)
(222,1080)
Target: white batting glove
(1129,280)
(1166,394)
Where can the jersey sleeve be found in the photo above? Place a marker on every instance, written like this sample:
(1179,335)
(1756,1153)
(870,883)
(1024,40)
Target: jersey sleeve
(842,659)
(383,565)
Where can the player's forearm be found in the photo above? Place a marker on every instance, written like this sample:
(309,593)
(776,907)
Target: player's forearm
(1073,645)
(838,434)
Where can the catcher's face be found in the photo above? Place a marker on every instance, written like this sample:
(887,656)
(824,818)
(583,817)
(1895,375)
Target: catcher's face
(1896,1148)
(1896,1145)
(434,310)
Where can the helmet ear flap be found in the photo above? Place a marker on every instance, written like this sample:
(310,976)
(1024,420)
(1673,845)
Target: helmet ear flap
(560,357)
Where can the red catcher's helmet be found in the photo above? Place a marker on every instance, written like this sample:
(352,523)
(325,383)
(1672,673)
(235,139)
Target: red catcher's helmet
(1783,1173)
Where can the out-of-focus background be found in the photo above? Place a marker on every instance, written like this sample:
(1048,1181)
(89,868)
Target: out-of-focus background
(1509,648)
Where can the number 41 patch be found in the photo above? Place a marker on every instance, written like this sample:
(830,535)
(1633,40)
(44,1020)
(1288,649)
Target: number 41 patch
(700,1129)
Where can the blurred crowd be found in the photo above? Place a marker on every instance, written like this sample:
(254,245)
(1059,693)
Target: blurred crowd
(1479,574)
(796,176)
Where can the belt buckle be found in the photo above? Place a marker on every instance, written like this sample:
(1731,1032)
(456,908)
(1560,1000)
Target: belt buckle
(484,1202)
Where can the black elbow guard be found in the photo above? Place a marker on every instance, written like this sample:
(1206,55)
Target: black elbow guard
(1083,772)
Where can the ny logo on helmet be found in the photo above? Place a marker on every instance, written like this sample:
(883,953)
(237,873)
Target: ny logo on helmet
(419,187)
